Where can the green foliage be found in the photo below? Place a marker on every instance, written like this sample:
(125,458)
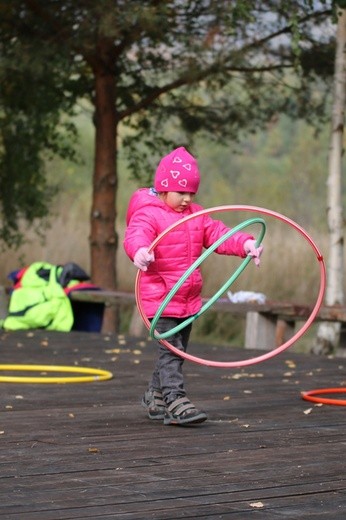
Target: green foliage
(283,167)
(340,3)
(179,69)
(34,126)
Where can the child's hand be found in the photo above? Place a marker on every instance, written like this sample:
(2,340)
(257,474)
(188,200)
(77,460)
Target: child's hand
(251,250)
(143,258)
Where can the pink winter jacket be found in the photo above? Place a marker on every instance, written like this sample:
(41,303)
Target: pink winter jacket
(147,217)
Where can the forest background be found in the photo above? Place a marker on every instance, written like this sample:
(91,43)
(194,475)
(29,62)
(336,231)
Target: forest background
(150,75)
(282,168)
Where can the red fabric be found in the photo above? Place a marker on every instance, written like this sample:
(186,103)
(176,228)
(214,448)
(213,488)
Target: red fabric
(79,287)
(19,275)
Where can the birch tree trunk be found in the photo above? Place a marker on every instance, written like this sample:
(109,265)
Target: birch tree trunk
(328,334)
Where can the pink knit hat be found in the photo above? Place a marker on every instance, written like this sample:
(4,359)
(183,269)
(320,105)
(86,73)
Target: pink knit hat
(177,171)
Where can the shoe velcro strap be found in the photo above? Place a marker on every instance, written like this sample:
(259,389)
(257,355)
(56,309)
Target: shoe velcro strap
(180,406)
(158,399)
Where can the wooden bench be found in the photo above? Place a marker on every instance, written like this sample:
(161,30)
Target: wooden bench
(268,325)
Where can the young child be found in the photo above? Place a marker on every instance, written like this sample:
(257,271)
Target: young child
(151,211)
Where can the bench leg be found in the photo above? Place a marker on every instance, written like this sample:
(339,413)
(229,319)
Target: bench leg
(341,348)
(137,327)
(266,332)
(285,330)
(4,301)
(111,319)
(260,331)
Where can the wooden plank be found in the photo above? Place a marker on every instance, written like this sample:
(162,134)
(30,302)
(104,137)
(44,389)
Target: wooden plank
(284,310)
(107,297)
(87,451)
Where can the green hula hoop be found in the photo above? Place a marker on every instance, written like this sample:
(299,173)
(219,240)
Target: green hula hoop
(153,333)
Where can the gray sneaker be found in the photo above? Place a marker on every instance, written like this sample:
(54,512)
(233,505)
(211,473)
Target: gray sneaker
(153,402)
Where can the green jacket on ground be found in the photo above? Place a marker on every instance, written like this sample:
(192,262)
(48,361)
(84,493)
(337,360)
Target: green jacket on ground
(38,303)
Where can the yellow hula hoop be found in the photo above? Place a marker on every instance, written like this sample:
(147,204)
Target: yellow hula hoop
(94,374)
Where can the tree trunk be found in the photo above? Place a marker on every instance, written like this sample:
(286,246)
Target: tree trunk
(328,334)
(103,237)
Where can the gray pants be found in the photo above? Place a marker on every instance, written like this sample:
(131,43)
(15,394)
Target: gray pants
(168,375)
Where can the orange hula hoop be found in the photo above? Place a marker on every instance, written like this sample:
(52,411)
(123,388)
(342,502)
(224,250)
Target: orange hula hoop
(310,396)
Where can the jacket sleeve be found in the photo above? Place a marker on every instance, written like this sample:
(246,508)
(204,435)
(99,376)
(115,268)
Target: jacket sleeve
(140,232)
(215,229)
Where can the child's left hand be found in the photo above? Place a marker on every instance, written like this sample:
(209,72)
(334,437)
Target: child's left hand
(251,250)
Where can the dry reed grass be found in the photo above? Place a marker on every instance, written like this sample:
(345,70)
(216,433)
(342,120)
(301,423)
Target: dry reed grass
(289,269)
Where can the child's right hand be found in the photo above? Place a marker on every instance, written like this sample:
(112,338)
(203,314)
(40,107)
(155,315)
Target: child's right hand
(143,258)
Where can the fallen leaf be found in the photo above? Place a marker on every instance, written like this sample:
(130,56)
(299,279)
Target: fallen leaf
(246,374)
(257,504)
(307,411)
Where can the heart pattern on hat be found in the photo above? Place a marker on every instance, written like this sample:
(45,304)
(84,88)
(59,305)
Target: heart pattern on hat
(177,171)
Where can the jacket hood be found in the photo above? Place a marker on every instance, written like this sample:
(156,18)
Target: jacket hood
(141,198)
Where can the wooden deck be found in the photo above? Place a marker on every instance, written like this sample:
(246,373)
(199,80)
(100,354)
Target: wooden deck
(87,450)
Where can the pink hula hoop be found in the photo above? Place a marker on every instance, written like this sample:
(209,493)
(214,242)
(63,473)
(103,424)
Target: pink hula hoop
(277,350)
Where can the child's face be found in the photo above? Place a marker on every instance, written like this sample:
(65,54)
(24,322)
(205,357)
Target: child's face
(178,200)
